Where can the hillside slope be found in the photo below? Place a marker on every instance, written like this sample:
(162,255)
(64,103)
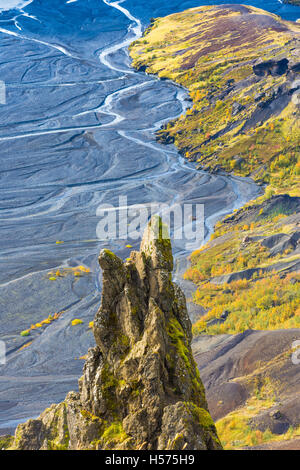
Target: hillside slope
(241,66)
(252,386)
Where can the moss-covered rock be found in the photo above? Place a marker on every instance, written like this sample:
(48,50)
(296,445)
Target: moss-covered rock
(140,387)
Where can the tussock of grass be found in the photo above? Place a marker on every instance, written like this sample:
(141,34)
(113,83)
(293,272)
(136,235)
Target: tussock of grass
(25,333)
(76,321)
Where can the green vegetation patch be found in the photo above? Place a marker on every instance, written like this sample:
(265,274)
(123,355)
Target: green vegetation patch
(234,123)
(114,434)
(6,442)
(266,304)
(178,340)
(211,52)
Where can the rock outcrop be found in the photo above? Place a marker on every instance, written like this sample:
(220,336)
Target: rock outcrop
(140,387)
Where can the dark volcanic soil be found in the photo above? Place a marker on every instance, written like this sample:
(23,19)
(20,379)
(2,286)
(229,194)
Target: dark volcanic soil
(234,368)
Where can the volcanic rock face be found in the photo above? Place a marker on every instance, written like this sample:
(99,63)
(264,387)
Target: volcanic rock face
(140,387)
(271,67)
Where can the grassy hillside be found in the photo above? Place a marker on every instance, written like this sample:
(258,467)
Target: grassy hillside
(241,67)
(233,62)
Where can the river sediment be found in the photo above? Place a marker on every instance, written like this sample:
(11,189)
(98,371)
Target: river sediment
(86,137)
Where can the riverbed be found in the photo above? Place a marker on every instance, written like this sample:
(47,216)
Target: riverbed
(77,131)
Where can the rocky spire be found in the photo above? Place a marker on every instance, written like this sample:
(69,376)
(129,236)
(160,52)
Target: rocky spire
(140,387)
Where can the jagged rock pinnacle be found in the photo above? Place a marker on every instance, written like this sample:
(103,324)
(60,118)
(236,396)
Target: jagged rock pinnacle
(140,387)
